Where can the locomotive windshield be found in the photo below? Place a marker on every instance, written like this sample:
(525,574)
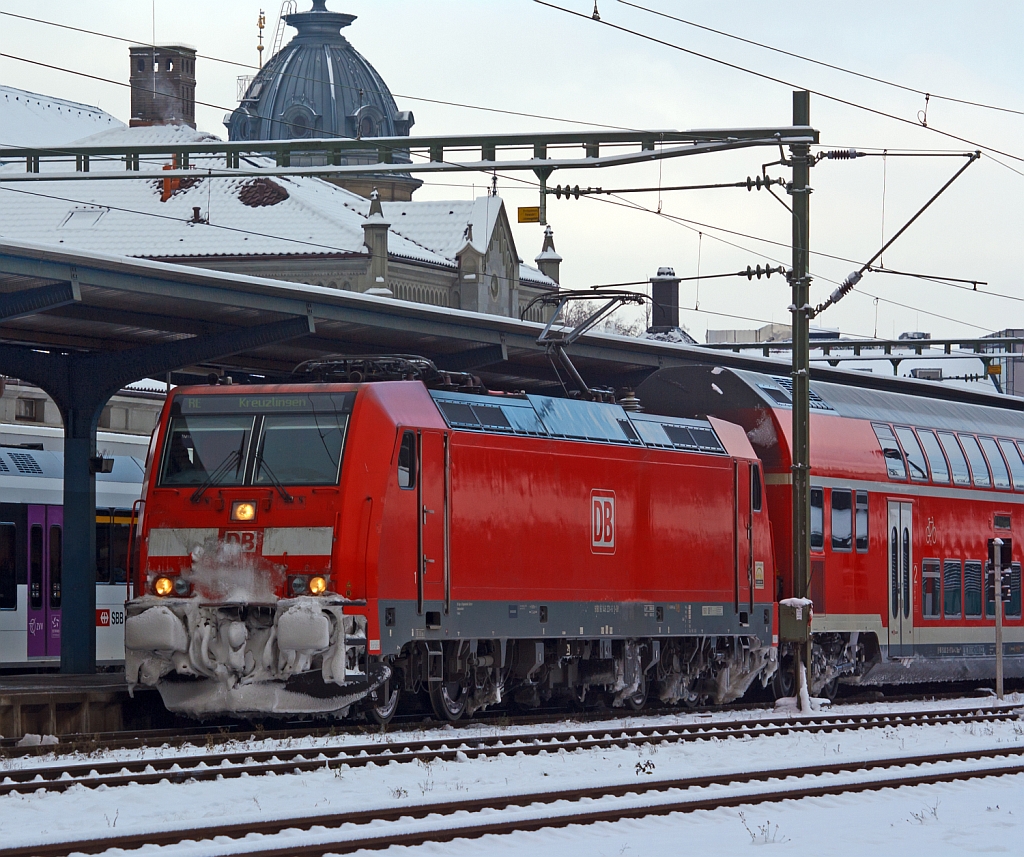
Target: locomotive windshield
(299,442)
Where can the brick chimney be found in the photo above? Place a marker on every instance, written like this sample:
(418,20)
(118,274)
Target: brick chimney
(163,81)
(665,293)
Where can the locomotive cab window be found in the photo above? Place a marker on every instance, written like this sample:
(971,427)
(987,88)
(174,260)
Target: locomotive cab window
(915,458)
(756,491)
(817,519)
(931,589)
(407,461)
(891,452)
(202,448)
(842,520)
(8,567)
(300,449)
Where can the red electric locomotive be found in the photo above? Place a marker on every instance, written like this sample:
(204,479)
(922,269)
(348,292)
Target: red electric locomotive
(311,547)
(907,492)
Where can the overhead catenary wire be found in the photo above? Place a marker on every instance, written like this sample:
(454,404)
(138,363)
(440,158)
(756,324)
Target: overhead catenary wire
(773,79)
(236,63)
(682,221)
(839,68)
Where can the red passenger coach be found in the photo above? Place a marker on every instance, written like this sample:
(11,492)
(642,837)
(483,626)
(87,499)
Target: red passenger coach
(907,492)
(312,547)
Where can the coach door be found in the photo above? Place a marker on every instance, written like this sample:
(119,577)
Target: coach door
(900,557)
(743,536)
(45,570)
(433,522)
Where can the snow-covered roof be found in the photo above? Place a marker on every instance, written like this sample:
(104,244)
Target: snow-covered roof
(445,226)
(240,216)
(30,120)
(533,276)
(281,216)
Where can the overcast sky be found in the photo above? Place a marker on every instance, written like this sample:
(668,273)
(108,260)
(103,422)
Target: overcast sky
(519,55)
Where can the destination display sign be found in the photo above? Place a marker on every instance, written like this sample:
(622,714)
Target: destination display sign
(252,403)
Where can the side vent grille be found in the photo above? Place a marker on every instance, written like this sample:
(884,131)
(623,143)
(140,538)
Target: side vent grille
(26,463)
(817,402)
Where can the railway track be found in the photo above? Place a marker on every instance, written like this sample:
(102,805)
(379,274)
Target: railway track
(210,766)
(416,824)
(205,735)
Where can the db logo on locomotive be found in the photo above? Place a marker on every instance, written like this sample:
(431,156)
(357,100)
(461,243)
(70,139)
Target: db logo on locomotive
(602,527)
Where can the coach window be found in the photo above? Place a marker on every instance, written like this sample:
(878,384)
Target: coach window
(931,589)
(103,548)
(842,520)
(862,522)
(817,519)
(756,492)
(8,567)
(891,451)
(972,589)
(35,567)
(1013,605)
(957,462)
(915,458)
(1000,475)
(979,470)
(936,460)
(952,574)
(56,566)
(407,461)
(1012,454)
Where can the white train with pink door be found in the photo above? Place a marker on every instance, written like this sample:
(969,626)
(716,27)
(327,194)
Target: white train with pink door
(32,550)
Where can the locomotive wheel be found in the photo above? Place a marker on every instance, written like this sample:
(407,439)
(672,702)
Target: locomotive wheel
(383,703)
(639,699)
(448,699)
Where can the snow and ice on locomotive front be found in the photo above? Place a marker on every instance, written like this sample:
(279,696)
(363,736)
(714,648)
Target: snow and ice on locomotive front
(240,607)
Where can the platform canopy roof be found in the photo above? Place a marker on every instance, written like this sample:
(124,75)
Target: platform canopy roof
(73,301)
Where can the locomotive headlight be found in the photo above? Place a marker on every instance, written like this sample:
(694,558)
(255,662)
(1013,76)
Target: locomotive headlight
(318,586)
(243,511)
(299,586)
(163,586)
(181,586)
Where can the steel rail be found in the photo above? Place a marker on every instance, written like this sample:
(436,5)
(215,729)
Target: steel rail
(475,828)
(236,764)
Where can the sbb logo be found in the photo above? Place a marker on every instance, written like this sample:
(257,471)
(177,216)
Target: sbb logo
(602,521)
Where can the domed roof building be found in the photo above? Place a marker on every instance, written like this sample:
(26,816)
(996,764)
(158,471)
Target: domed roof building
(319,86)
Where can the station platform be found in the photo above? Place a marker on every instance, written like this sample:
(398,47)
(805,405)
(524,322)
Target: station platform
(62,705)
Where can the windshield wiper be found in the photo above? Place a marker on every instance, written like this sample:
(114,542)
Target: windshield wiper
(262,467)
(218,474)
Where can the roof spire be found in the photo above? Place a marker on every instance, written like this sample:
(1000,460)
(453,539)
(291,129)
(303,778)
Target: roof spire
(375,206)
(319,6)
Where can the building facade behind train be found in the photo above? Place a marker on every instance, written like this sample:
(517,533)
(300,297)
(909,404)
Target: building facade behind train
(361,234)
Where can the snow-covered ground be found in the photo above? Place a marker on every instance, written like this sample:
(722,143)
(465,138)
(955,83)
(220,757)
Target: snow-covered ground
(982,815)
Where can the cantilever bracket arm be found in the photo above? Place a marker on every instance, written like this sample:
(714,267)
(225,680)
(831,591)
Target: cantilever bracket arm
(847,285)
